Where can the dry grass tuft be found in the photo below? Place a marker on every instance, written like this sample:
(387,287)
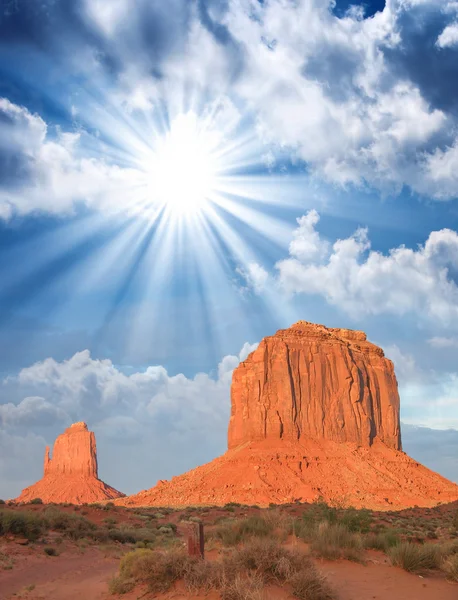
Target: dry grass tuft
(334,540)
(450,567)
(415,558)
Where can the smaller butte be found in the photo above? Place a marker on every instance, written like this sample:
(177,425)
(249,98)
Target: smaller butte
(71,475)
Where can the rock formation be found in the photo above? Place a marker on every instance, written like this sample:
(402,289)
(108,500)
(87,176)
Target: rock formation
(71,474)
(312,382)
(315,413)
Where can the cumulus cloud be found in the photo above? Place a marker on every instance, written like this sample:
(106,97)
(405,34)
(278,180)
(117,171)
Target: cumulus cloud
(449,37)
(351,98)
(151,425)
(41,172)
(361,281)
(163,423)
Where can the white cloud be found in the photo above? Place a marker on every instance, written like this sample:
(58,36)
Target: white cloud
(133,415)
(443,342)
(449,37)
(31,411)
(42,173)
(83,388)
(255,276)
(362,281)
(331,95)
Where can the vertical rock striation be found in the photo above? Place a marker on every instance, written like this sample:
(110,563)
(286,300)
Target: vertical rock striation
(313,382)
(315,414)
(71,474)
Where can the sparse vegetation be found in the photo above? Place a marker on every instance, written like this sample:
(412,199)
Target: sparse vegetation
(416,558)
(240,575)
(26,524)
(36,501)
(50,551)
(450,567)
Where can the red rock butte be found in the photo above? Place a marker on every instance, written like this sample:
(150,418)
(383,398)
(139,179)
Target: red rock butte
(315,414)
(71,474)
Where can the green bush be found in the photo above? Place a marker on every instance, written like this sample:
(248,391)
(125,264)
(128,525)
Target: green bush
(356,520)
(50,551)
(36,501)
(27,524)
(75,526)
(235,531)
(381,541)
(2,501)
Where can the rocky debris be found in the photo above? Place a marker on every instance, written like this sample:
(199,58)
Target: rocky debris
(315,414)
(71,475)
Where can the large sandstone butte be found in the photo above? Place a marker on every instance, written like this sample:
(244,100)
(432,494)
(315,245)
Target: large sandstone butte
(315,413)
(71,474)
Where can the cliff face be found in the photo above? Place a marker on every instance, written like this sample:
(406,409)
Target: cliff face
(74,453)
(309,381)
(315,413)
(70,475)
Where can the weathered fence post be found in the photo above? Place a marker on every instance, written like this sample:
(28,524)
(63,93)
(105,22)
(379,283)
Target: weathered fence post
(196,541)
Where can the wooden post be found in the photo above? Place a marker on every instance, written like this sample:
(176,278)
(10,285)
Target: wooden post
(196,541)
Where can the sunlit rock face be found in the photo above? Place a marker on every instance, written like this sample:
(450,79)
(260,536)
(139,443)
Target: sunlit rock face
(309,381)
(74,453)
(315,414)
(71,474)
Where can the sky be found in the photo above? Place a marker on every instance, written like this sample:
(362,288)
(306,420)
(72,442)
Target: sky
(180,179)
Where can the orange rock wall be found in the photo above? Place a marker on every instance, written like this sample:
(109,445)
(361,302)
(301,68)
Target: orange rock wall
(74,453)
(313,382)
(71,474)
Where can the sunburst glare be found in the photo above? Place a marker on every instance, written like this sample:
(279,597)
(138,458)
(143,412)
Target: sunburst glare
(182,173)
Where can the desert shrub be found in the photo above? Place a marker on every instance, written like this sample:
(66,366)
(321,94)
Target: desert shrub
(232,504)
(455,520)
(450,567)
(170,526)
(233,532)
(269,559)
(318,512)
(381,541)
(125,534)
(240,575)
(159,570)
(334,540)
(241,588)
(2,501)
(202,575)
(75,526)
(356,520)
(108,506)
(28,524)
(36,501)
(110,522)
(50,551)
(414,558)
(309,585)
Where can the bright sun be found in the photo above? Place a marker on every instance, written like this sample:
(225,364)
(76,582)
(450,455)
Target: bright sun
(183,171)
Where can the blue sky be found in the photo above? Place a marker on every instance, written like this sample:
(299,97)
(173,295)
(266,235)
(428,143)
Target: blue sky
(180,179)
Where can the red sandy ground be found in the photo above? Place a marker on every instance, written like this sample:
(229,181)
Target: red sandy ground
(74,575)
